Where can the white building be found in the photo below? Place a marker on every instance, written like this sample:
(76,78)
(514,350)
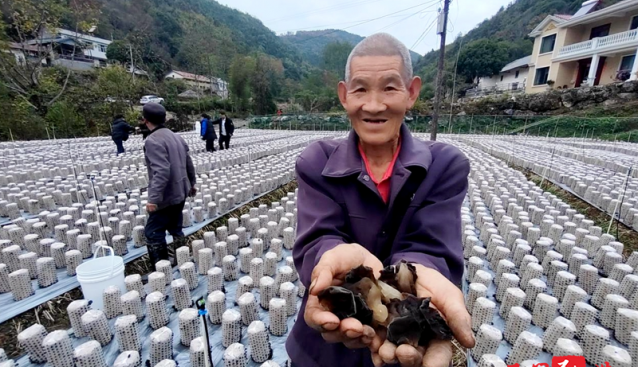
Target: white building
(74,50)
(512,78)
(201,83)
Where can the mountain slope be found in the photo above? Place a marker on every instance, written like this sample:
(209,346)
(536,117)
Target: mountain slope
(200,36)
(312,43)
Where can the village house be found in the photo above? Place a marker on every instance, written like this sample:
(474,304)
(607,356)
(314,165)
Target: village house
(71,49)
(512,79)
(594,46)
(200,83)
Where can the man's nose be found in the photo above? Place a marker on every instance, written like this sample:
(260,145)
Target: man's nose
(374,103)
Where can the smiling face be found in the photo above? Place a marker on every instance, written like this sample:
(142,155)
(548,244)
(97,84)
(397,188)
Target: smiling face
(376,97)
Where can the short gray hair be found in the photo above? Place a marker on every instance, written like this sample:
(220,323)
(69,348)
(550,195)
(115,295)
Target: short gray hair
(383,44)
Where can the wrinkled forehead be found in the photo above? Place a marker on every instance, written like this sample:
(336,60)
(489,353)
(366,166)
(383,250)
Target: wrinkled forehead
(376,68)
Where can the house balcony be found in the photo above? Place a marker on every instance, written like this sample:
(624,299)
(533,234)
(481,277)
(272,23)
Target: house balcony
(613,43)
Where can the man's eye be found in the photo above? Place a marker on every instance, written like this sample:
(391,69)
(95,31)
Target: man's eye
(390,88)
(359,90)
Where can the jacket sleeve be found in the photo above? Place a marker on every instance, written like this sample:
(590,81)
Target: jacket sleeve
(203,124)
(130,128)
(433,235)
(231,127)
(190,168)
(321,221)
(160,166)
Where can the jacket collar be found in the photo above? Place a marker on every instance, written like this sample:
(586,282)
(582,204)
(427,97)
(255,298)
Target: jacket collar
(346,160)
(157,128)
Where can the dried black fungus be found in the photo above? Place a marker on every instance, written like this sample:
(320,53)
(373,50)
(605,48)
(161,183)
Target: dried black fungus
(405,314)
(401,276)
(388,302)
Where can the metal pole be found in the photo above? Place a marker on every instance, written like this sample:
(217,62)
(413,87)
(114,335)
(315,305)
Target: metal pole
(456,65)
(439,76)
(471,122)
(613,215)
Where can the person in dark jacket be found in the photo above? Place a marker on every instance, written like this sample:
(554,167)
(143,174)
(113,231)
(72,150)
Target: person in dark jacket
(120,130)
(226,130)
(207,132)
(171,178)
(376,198)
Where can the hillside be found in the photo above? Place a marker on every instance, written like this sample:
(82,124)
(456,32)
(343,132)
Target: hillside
(312,43)
(200,36)
(511,24)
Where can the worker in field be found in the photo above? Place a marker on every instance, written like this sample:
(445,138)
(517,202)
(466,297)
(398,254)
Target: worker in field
(226,130)
(171,179)
(120,130)
(207,132)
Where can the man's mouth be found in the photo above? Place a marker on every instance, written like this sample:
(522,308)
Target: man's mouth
(375,121)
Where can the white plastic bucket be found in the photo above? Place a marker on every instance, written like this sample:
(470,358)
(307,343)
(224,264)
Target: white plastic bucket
(97,274)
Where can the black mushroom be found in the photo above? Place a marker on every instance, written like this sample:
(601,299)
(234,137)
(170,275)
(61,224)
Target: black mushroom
(411,311)
(389,302)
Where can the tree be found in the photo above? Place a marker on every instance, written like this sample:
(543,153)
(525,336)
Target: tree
(484,57)
(335,57)
(241,70)
(28,19)
(263,102)
(119,51)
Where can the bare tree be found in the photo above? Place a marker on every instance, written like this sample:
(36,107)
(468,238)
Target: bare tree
(31,22)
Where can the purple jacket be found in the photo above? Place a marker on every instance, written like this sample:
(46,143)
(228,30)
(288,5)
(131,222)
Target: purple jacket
(338,203)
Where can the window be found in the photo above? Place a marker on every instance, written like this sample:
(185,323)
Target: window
(634,23)
(541,76)
(547,45)
(102,48)
(517,71)
(600,31)
(501,77)
(627,63)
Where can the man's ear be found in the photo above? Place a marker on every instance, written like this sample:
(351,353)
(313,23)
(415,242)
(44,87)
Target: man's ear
(414,89)
(342,91)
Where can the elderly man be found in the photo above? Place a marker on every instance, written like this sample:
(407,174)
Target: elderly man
(171,178)
(376,198)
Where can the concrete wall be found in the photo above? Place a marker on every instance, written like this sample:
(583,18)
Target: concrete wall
(565,74)
(74,65)
(488,81)
(509,77)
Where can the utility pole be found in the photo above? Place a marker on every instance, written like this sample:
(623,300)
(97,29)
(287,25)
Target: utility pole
(130,49)
(442,30)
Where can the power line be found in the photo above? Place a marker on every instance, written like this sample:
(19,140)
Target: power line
(401,20)
(422,36)
(324,9)
(346,23)
(367,21)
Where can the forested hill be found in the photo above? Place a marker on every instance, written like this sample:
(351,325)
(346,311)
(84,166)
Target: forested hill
(311,44)
(510,27)
(200,36)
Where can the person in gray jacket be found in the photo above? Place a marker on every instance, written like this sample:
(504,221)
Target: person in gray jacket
(171,178)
